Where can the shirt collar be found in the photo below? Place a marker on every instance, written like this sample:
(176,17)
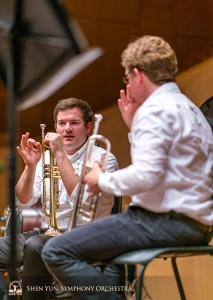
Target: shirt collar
(169,87)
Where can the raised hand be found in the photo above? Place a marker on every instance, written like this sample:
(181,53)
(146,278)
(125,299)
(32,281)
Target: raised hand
(55,142)
(127,105)
(30,150)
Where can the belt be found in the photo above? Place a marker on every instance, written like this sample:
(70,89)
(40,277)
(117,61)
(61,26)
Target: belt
(191,222)
(178,216)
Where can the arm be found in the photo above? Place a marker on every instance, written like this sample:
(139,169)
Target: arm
(152,135)
(30,151)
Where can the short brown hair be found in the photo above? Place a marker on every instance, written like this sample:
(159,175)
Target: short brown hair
(70,103)
(153,56)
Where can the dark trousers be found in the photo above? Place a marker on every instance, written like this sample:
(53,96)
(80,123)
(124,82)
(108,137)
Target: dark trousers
(70,257)
(5,247)
(5,250)
(3,289)
(36,279)
(5,255)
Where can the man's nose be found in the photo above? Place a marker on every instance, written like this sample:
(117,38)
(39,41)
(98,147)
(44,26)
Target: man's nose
(68,126)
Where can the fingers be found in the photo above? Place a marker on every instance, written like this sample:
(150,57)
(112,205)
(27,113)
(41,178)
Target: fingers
(126,97)
(121,105)
(24,139)
(129,95)
(31,141)
(55,143)
(32,144)
(123,98)
(93,174)
(91,179)
(122,101)
(52,136)
(39,147)
(90,193)
(97,168)
(28,144)
(96,165)
(22,153)
(19,151)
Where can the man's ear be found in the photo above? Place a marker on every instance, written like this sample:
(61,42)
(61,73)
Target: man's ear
(88,127)
(138,74)
(55,125)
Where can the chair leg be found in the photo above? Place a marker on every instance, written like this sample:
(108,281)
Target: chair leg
(178,280)
(139,285)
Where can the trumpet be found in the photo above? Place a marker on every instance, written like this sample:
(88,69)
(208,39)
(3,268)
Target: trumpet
(50,171)
(78,213)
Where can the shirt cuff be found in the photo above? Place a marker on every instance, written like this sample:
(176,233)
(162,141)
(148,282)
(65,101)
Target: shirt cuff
(102,182)
(24,205)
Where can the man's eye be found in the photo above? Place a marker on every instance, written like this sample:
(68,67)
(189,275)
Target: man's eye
(74,123)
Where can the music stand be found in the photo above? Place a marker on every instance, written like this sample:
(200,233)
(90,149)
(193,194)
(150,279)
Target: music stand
(41,50)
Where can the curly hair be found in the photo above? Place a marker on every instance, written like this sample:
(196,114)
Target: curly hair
(153,56)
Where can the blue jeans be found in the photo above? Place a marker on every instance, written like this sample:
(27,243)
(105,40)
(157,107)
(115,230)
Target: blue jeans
(70,257)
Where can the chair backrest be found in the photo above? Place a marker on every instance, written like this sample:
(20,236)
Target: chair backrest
(117,205)
(26,219)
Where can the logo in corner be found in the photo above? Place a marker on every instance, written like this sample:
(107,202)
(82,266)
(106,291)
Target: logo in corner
(15,288)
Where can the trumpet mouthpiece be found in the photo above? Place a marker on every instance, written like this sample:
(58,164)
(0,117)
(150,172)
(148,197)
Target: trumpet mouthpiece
(98,116)
(43,126)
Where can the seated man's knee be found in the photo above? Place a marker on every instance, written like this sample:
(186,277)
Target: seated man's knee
(34,245)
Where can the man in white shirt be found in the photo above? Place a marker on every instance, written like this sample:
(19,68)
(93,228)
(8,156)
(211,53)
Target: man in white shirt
(169,179)
(73,122)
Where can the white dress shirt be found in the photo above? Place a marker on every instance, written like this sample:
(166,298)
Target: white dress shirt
(63,213)
(172,155)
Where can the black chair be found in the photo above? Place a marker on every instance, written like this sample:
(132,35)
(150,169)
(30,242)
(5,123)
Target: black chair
(117,207)
(144,257)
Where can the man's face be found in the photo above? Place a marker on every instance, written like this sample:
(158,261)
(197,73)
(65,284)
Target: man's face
(70,125)
(137,85)
(132,82)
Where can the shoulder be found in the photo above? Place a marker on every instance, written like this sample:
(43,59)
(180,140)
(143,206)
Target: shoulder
(99,152)
(156,109)
(161,111)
